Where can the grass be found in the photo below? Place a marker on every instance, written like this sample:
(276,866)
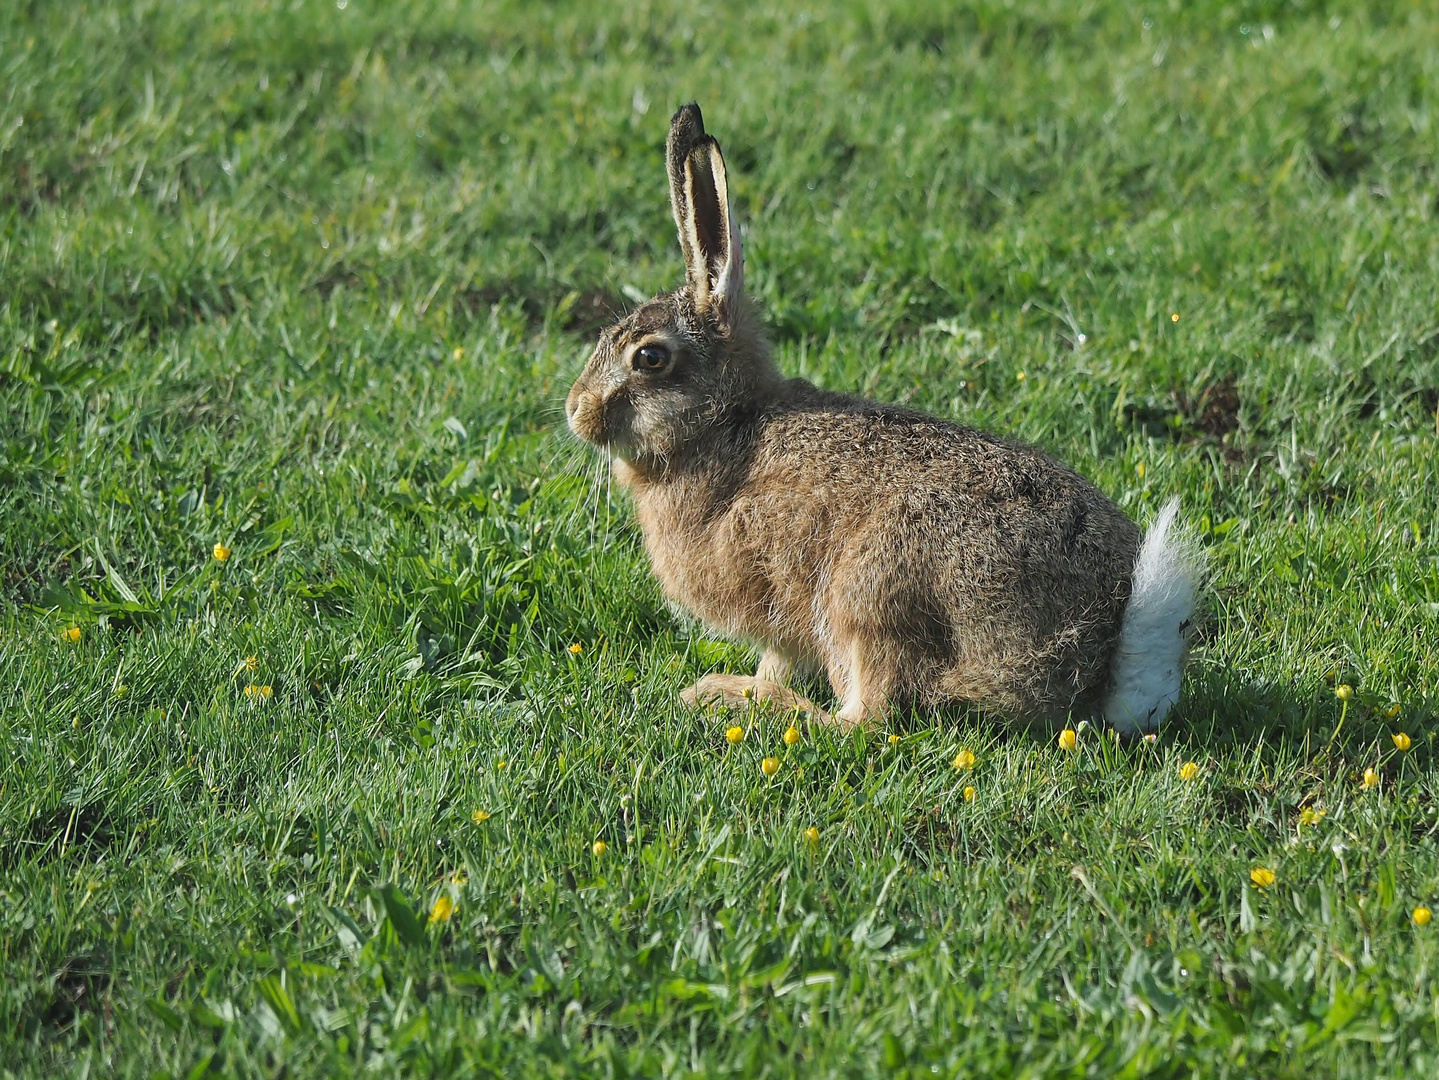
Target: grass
(309,280)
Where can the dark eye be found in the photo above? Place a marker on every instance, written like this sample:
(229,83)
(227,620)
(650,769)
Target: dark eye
(651,357)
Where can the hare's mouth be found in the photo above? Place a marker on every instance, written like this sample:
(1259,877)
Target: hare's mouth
(600,422)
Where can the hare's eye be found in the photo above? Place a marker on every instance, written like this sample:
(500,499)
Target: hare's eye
(651,357)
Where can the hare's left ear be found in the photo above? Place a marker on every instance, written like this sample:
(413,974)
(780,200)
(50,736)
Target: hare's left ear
(699,196)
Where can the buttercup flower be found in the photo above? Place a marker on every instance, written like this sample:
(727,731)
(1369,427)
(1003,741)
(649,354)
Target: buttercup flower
(1068,739)
(1310,816)
(221,552)
(893,739)
(502,765)
(791,735)
(769,766)
(969,793)
(444,907)
(479,817)
(1401,740)
(734,734)
(576,649)
(1344,691)
(1421,916)
(1371,778)
(599,847)
(811,835)
(267,692)
(252,663)
(964,760)
(1262,876)
(71,635)
(1189,770)
(1174,317)
(1393,711)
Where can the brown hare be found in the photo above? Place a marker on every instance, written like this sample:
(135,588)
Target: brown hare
(910,559)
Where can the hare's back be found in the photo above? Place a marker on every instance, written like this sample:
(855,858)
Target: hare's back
(984,512)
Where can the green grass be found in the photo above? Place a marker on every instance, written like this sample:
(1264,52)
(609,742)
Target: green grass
(311,282)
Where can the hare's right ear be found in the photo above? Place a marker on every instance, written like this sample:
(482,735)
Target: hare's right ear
(699,196)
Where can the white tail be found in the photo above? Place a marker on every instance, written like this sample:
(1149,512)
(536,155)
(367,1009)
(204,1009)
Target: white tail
(1154,636)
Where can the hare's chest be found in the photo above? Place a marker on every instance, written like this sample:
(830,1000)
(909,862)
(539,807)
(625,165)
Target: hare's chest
(741,570)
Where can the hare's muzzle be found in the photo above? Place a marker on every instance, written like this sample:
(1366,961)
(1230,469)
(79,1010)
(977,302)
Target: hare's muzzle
(585,413)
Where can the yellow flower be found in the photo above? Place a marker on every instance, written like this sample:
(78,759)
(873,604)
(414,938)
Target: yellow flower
(734,734)
(1020,376)
(1262,876)
(252,663)
(72,635)
(1393,711)
(1401,740)
(964,760)
(443,908)
(811,835)
(769,766)
(599,847)
(458,354)
(1344,691)
(969,793)
(75,723)
(1371,778)
(1310,816)
(1189,770)
(1422,916)
(252,691)
(1068,739)
(791,735)
(502,765)
(893,739)
(267,692)
(1174,317)
(1139,470)
(479,817)
(576,649)
(221,552)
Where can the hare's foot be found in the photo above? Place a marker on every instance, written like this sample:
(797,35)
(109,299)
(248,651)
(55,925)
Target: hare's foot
(863,688)
(740,690)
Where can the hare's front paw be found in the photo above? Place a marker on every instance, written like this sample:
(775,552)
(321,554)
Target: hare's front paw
(737,691)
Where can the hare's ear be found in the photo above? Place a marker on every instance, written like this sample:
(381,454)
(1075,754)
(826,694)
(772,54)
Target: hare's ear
(699,196)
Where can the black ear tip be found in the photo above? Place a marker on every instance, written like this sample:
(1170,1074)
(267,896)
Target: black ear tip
(688,122)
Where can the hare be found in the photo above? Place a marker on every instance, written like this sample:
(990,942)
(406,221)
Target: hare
(909,559)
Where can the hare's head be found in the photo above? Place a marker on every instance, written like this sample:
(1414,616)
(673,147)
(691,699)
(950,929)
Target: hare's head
(684,361)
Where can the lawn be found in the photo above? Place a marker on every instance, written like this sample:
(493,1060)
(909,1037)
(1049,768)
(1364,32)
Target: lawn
(338,710)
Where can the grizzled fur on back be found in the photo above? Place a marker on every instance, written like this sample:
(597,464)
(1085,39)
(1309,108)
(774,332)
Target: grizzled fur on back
(906,557)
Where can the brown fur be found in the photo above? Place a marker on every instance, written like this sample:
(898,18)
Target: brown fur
(908,558)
